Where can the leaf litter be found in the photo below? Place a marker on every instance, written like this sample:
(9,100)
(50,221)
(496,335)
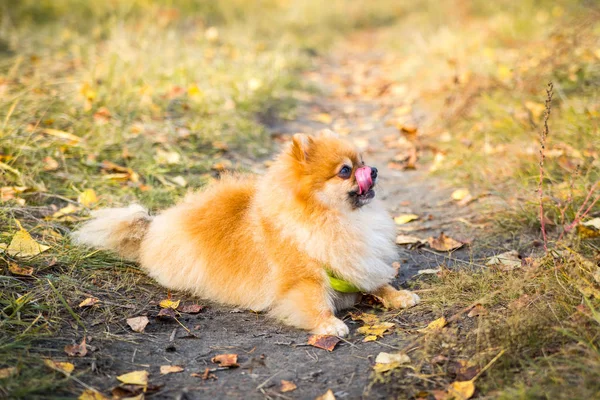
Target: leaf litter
(325,342)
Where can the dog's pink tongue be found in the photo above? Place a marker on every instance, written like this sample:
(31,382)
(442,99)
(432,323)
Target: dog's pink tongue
(363,178)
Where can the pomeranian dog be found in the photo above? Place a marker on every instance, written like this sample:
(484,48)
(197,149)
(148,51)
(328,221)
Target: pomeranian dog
(274,243)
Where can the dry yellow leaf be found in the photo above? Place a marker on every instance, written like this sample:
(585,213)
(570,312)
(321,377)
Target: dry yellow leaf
(460,194)
(17,270)
(435,325)
(376,330)
(8,372)
(134,378)
(87,198)
(90,394)
(194,91)
(389,358)
(64,367)
(327,396)
(90,301)
(170,369)
(405,218)
(368,319)
(370,338)
(323,118)
(380,368)
(70,209)
(536,109)
(287,386)
(166,303)
(62,135)
(462,390)
(23,245)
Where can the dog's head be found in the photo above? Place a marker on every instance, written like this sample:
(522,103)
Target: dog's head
(331,171)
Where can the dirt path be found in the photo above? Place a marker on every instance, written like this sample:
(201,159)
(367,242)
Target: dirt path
(269,352)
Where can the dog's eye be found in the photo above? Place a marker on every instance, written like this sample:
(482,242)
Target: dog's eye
(345,172)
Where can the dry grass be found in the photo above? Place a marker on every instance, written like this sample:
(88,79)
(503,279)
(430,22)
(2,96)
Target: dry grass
(481,72)
(172,92)
(170,89)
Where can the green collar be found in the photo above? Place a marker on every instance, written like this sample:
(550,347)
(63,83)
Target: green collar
(340,285)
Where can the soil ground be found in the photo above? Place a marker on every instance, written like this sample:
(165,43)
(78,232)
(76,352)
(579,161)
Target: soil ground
(269,352)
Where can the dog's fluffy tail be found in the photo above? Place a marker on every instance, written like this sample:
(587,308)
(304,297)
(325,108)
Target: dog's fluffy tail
(117,229)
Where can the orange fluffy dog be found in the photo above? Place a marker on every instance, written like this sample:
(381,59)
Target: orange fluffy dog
(270,243)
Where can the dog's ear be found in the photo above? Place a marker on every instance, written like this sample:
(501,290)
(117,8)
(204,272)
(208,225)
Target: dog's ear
(328,133)
(301,144)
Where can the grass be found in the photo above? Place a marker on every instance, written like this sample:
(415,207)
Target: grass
(480,73)
(132,100)
(141,100)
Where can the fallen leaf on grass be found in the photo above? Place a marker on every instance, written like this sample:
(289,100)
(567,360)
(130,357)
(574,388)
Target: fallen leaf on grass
(226,360)
(167,303)
(506,261)
(87,198)
(223,165)
(325,342)
(444,243)
(407,239)
(170,369)
(536,109)
(69,209)
(64,367)
(435,325)
(477,310)
(323,118)
(90,301)
(17,270)
(368,319)
(120,173)
(89,394)
(11,192)
(178,180)
(50,164)
(76,350)
(460,194)
(430,271)
(138,324)
(462,390)
(287,386)
(405,218)
(23,245)
(190,308)
(102,116)
(589,229)
(69,137)
(377,330)
(134,378)
(522,302)
(167,157)
(327,396)
(8,372)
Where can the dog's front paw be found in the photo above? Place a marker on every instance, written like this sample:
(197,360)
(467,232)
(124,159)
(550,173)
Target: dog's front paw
(401,299)
(332,326)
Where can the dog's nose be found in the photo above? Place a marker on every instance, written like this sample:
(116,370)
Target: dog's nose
(373,172)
